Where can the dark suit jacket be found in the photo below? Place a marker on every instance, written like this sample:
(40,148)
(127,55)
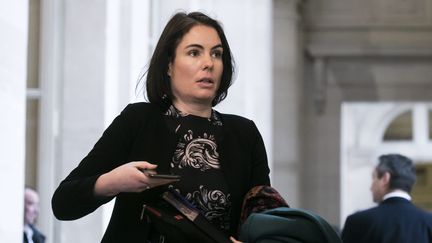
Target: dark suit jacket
(38,237)
(140,133)
(395,220)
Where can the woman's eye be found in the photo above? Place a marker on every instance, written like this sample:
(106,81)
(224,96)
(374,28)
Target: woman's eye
(193,53)
(217,54)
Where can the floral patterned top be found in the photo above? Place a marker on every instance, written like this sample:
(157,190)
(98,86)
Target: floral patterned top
(196,158)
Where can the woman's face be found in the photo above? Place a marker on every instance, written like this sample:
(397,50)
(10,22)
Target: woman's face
(197,67)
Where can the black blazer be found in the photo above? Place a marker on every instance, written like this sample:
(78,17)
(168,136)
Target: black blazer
(395,220)
(140,133)
(38,237)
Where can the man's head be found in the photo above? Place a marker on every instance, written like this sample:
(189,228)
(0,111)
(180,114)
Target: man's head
(393,172)
(31,206)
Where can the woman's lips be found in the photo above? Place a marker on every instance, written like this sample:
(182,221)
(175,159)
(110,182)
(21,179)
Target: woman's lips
(206,83)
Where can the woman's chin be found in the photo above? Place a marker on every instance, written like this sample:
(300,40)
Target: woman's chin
(204,100)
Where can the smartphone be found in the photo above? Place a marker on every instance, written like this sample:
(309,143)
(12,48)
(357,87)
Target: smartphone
(153,174)
(164,176)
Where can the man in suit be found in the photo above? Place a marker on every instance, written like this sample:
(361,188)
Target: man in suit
(395,219)
(31,211)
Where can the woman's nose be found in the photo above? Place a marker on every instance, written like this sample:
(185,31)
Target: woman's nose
(208,62)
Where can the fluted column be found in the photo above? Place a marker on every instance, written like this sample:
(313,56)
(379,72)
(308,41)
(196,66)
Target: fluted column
(287,96)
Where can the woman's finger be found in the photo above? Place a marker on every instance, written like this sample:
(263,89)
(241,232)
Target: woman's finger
(144,165)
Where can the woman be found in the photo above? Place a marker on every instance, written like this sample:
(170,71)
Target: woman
(218,156)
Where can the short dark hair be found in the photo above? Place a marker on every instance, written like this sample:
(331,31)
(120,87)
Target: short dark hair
(158,82)
(401,169)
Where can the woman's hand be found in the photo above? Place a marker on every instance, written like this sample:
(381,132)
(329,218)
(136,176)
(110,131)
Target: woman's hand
(127,178)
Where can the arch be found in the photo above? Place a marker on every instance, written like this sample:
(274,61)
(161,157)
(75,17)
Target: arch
(400,128)
(378,119)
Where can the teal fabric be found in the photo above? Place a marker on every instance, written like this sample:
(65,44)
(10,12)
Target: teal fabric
(287,225)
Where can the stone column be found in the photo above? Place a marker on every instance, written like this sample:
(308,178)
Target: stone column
(13,73)
(287,96)
(97,53)
(50,79)
(81,102)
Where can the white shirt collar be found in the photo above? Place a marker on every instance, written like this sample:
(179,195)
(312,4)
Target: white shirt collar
(29,233)
(397,193)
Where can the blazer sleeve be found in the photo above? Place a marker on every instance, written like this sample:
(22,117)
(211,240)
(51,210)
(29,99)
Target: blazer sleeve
(74,197)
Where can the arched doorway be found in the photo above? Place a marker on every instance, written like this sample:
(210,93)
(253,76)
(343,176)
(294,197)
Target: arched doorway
(374,128)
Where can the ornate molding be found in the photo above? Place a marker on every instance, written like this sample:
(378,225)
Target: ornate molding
(320,56)
(329,51)
(368,13)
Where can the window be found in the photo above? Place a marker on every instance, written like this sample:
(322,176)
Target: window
(401,128)
(421,191)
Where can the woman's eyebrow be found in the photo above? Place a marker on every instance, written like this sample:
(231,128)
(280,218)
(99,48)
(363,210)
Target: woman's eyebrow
(194,46)
(201,47)
(217,46)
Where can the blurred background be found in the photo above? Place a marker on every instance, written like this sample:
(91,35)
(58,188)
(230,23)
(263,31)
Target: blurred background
(331,84)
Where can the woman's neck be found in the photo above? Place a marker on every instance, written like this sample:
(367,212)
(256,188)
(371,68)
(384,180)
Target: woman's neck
(200,110)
